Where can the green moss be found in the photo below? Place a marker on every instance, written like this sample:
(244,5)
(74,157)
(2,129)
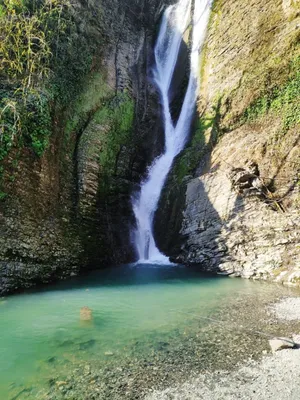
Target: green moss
(282,101)
(216,13)
(116,118)
(37,123)
(3,195)
(93,97)
(203,61)
(204,135)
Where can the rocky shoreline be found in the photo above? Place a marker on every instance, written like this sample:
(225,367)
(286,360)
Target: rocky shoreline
(275,377)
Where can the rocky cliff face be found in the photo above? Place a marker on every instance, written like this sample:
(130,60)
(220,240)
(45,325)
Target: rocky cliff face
(232,200)
(105,187)
(233,196)
(70,208)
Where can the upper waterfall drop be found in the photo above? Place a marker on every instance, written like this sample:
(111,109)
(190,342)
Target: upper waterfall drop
(175,22)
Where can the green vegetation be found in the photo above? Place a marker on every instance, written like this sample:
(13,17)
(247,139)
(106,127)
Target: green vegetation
(25,121)
(117,119)
(282,101)
(216,13)
(108,132)
(43,66)
(95,94)
(203,137)
(2,195)
(29,32)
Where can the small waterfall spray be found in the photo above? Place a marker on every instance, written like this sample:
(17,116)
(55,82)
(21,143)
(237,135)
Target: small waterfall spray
(175,21)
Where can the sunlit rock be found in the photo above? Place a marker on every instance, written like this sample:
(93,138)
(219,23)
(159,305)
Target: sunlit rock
(281,344)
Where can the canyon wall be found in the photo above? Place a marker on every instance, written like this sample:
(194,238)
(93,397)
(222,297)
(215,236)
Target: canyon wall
(232,201)
(68,209)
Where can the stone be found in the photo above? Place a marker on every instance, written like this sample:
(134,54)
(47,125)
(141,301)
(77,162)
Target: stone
(86,345)
(225,273)
(86,314)
(278,343)
(61,383)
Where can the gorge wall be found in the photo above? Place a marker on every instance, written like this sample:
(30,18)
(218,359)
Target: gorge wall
(232,201)
(69,209)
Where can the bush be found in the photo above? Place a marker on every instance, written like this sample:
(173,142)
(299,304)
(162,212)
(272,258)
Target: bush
(30,30)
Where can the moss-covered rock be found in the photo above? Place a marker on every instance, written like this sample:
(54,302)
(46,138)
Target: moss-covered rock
(64,202)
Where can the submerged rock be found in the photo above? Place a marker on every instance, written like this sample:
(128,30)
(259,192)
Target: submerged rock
(51,360)
(86,345)
(86,314)
(108,353)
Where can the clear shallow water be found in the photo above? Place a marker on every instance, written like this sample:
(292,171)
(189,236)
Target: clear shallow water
(135,310)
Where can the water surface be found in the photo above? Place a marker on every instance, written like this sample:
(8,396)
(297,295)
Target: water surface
(141,314)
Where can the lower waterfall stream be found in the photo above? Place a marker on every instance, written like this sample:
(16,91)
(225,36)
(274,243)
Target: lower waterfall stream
(176,21)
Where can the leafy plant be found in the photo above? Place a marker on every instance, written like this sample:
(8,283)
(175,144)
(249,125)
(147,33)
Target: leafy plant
(3,195)
(26,37)
(31,32)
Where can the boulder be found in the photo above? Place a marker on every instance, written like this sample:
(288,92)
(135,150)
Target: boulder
(86,314)
(278,343)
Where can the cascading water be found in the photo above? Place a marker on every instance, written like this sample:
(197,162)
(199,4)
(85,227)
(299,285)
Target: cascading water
(175,22)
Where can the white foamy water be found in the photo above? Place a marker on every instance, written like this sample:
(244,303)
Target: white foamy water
(175,22)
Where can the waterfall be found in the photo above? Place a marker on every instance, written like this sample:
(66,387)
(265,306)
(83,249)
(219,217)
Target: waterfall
(175,22)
